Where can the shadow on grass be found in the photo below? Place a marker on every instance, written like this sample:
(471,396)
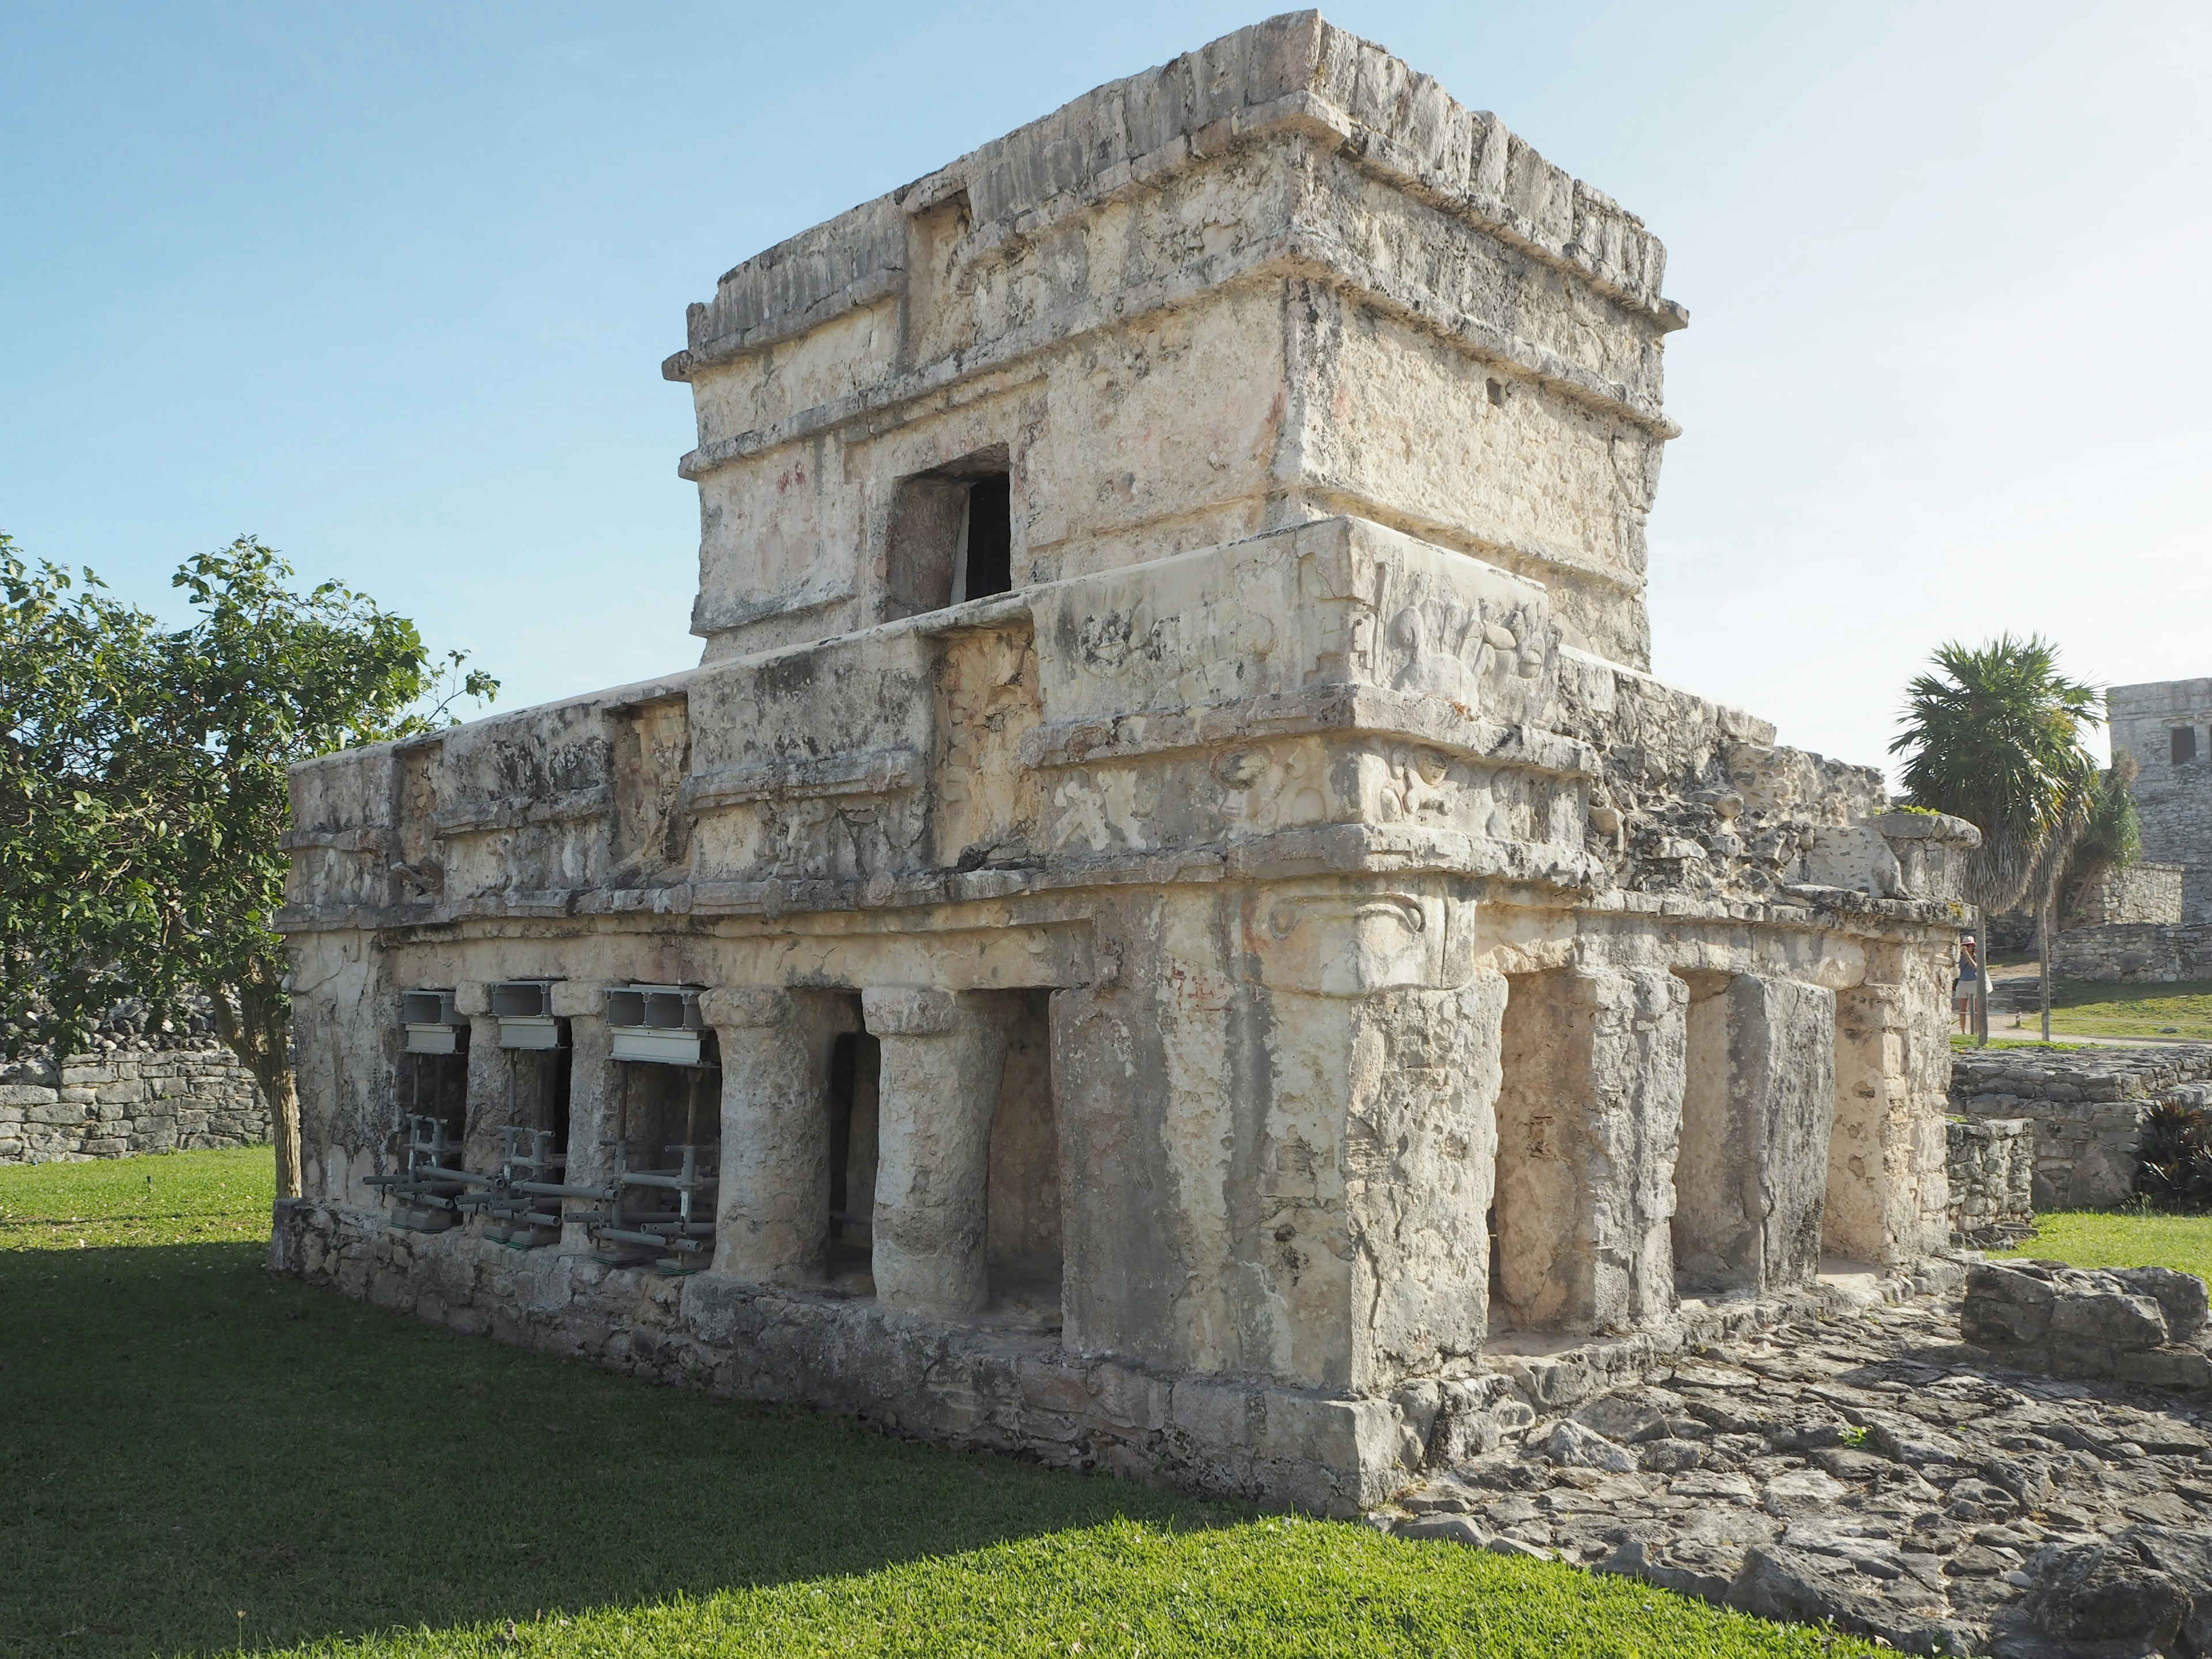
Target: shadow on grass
(188,1439)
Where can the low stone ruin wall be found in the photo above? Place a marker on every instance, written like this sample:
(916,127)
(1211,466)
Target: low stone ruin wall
(1992,1177)
(2133,1325)
(2134,951)
(128,1099)
(2087,1107)
(2131,892)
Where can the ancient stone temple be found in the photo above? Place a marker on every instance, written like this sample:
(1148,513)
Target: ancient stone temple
(1170,928)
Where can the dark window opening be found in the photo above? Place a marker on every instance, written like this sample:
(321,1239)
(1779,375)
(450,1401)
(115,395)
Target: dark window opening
(1022,1216)
(987,560)
(2184,745)
(855,1063)
(661,1108)
(537,1083)
(668,1119)
(438,1088)
(950,536)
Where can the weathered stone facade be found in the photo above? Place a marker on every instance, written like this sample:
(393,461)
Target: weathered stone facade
(2088,1107)
(127,1099)
(1183,933)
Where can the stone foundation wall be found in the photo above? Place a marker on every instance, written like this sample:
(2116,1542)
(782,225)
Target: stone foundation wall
(1992,1176)
(2134,951)
(129,1100)
(1003,1388)
(2088,1108)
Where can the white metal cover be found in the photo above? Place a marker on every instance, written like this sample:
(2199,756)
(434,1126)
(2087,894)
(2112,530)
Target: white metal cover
(427,1007)
(432,1040)
(529,1032)
(522,999)
(524,1008)
(661,1007)
(431,1020)
(655,1023)
(663,1048)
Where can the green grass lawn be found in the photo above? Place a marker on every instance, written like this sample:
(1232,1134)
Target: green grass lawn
(2183,1009)
(2121,1239)
(2181,1012)
(199,1456)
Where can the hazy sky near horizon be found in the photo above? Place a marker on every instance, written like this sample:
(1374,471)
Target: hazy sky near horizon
(389,287)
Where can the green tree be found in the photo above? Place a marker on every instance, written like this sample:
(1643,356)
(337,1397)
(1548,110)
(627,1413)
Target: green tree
(143,789)
(1993,735)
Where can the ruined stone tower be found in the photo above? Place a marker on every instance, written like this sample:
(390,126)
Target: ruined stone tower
(1170,928)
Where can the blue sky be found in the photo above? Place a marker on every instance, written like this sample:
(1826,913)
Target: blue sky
(389,286)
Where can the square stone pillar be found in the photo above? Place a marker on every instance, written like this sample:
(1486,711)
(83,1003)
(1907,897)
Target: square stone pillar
(490,1077)
(1753,1173)
(943,1052)
(773,1220)
(1587,1117)
(1878,1155)
(592,1083)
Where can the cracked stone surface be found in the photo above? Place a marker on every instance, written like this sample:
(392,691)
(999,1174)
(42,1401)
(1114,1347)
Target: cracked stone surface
(1877,1471)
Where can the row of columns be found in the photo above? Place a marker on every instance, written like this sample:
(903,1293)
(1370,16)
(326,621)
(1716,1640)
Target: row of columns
(1643,1121)
(943,1055)
(1734,1126)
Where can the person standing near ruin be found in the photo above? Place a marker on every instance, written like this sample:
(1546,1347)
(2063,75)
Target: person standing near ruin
(1967,985)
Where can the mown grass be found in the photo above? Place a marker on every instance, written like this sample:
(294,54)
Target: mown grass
(2181,1009)
(2177,1012)
(199,1457)
(2121,1239)
(1965,1045)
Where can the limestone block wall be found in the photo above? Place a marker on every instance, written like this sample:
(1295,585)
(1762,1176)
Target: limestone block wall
(2134,952)
(127,1100)
(2139,892)
(1992,1176)
(2088,1108)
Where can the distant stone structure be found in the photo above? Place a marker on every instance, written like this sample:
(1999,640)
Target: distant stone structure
(1171,923)
(2167,727)
(2153,920)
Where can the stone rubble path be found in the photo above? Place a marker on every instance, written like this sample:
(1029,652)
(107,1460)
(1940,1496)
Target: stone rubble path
(1873,1470)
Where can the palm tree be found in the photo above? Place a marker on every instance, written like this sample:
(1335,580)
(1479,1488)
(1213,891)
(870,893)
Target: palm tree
(1994,736)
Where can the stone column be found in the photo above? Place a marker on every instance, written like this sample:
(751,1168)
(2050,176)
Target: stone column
(1753,1172)
(1885,1177)
(490,1077)
(592,1083)
(942,1055)
(1588,1117)
(773,1221)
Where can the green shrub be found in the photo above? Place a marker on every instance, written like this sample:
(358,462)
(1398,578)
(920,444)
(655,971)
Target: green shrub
(2177,1157)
